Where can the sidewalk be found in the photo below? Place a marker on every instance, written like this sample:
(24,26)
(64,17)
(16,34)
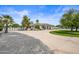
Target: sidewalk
(58,44)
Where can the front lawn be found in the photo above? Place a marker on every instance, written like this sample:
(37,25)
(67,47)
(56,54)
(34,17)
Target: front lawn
(65,33)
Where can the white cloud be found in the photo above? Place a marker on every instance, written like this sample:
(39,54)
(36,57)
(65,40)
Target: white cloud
(22,13)
(15,12)
(43,18)
(51,19)
(17,15)
(58,9)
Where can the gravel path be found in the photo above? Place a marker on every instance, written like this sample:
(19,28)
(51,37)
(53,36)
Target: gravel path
(17,43)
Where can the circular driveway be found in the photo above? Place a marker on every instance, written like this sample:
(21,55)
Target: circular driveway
(57,44)
(17,43)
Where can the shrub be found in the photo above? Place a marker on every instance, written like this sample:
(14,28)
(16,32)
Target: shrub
(1,27)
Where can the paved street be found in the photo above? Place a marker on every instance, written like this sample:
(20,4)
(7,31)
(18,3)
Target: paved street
(17,43)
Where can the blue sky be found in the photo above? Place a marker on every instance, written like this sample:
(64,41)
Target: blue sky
(50,14)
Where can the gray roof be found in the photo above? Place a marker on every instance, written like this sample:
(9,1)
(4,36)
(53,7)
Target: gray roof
(43,24)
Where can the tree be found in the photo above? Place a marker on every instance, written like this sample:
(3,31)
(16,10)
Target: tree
(37,24)
(7,21)
(76,20)
(1,24)
(15,25)
(67,19)
(37,21)
(59,26)
(26,22)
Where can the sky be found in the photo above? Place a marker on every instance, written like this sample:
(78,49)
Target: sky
(50,14)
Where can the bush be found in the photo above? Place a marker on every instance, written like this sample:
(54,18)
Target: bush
(1,27)
(37,27)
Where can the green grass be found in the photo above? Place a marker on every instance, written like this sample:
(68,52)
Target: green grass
(65,33)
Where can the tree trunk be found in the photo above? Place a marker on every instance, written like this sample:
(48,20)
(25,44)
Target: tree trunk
(71,28)
(6,28)
(76,29)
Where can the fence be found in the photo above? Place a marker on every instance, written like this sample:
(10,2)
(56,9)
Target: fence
(14,29)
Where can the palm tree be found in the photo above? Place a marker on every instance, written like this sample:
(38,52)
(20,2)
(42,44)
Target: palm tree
(37,21)
(26,22)
(7,21)
(0,19)
(37,24)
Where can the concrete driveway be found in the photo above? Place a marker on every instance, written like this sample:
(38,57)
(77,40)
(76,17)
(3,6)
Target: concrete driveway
(18,43)
(58,44)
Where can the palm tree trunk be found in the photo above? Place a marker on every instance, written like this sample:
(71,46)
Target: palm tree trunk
(6,28)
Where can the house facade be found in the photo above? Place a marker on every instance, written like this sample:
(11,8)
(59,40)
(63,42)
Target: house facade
(43,26)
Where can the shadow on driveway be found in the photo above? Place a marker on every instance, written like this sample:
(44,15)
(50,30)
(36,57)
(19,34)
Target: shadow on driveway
(17,43)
